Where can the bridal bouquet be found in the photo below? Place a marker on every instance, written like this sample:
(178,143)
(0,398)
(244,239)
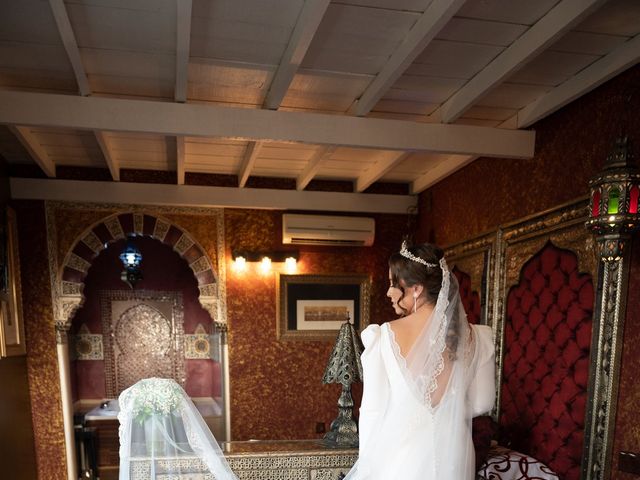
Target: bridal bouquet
(155,396)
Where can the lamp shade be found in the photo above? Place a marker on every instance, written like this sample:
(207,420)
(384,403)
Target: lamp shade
(614,192)
(131,258)
(344,364)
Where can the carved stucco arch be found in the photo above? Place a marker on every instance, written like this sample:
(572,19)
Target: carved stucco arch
(88,245)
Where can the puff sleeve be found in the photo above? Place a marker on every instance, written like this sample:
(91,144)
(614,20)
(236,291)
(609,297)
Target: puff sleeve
(482,390)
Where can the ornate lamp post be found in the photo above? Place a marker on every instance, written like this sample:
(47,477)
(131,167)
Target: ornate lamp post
(613,218)
(344,367)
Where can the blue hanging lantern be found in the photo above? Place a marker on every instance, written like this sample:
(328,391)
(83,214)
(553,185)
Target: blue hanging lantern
(131,258)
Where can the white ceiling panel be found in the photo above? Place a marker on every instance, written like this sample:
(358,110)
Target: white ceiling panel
(617,17)
(453,59)
(242,84)
(552,68)
(69,147)
(426,89)
(480,31)
(357,39)
(324,90)
(523,12)
(588,43)
(121,28)
(243,31)
(405,106)
(158,88)
(37,80)
(128,64)
(510,95)
(34,56)
(28,21)
(489,113)
(407,5)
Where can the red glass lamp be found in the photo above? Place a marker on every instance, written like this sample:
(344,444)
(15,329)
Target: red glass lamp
(614,200)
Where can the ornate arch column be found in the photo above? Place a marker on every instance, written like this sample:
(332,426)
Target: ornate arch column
(614,217)
(67,282)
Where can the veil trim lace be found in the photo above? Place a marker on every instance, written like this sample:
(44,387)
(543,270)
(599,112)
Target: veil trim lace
(423,379)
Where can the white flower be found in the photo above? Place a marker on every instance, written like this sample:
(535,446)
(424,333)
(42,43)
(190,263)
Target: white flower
(154,396)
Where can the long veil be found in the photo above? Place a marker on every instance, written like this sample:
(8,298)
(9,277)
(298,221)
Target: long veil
(163,434)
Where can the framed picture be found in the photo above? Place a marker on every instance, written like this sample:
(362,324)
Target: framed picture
(472,263)
(12,340)
(314,307)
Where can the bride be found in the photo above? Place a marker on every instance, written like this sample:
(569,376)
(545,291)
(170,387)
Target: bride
(425,376)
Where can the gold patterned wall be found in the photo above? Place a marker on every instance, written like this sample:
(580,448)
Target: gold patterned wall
(42,364)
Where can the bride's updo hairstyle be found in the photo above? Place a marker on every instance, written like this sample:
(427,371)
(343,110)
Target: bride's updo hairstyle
(408,272)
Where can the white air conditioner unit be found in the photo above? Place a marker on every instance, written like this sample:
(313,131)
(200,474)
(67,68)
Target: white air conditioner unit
(327,230)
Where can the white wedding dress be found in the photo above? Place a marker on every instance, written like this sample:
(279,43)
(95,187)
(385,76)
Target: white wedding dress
(404,434)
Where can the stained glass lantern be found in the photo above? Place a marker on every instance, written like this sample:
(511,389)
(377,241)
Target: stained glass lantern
(613,205)
(131,258)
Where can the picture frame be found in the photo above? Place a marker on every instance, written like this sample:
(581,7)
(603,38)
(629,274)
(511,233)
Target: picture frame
(472,262)
(12,339)
(314,307)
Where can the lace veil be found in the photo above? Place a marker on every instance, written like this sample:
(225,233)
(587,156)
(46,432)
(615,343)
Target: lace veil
(442,345)
(163,435)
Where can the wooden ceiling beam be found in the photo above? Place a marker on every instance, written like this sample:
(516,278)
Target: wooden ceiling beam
(183,42)
(70,45)
(319,157)
(384,163)
(623,57)
(562,18)
(303,33)
(204,196)
(111,162)
(434,18)
(173,119)
(180,159)
(249,159)
(440,171)
(37,152)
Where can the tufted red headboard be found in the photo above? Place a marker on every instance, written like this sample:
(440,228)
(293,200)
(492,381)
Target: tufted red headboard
(547,337)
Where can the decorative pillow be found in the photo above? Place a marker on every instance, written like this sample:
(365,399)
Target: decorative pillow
(483,430)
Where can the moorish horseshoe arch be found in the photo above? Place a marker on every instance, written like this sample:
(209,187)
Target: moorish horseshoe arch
(67,284)
(89,244)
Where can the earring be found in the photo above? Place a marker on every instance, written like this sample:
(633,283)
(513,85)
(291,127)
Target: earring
(415,301)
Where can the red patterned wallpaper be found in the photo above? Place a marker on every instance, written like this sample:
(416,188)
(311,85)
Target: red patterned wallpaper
(276,389)
(571,145)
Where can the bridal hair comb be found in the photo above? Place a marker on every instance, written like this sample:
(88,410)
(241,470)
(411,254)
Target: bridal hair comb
(407,254)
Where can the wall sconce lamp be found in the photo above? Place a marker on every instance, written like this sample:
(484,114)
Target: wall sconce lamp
(613,208)
(131,258)
(266,258)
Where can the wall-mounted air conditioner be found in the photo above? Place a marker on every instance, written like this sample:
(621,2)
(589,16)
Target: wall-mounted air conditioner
(327,230)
